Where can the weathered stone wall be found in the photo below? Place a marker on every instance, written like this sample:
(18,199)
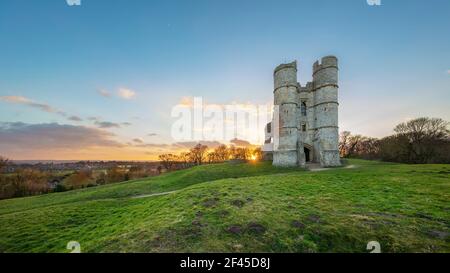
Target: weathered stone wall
(325,87)
(285,158)
(307,95)
(321,134)
(286,98)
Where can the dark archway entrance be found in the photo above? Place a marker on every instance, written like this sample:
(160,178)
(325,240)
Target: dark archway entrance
(307,155)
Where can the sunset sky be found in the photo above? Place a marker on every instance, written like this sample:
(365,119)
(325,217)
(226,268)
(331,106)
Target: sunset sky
(98,81)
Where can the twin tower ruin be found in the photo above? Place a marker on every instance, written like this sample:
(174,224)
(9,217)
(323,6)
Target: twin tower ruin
(305,122)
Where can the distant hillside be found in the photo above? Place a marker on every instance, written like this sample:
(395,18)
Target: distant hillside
(243,208)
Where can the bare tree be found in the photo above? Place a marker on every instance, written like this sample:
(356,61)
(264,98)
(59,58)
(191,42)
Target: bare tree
(358,146)
(242,153)
(348,144)
(184,158)
(343,143)
(212,157)
(222,153)
(257,153)
(168,160)
(3,162)
(420,129)
(198,154)
(426,138)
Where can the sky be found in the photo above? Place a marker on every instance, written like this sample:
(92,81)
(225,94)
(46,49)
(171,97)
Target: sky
(98,81)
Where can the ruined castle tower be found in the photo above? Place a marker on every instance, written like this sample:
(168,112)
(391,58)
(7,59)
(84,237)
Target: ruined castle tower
(305,124)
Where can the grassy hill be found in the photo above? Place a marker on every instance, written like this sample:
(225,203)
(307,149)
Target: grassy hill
(243,208)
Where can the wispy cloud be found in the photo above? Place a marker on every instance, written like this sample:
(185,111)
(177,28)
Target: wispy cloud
(39,106)
(191,144)
(104,93)
(93,118)
(126,93)
(53,136)
(155,145)
(53,141)
(123,93)
(241,143)
(138,140)
(107,124)
(28,102)
(152,134)
(75,118)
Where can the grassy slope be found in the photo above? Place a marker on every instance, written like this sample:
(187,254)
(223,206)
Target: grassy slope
(404,207)
(165,183)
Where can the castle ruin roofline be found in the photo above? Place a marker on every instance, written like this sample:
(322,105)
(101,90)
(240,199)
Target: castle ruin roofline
(326,62)
(329,57)
(286,65)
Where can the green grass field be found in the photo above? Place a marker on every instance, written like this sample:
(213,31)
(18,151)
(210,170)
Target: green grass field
(243,208)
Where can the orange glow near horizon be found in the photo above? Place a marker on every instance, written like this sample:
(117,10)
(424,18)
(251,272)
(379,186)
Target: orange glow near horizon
(127,153)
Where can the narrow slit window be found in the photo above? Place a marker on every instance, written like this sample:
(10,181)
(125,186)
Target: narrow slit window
(303,108)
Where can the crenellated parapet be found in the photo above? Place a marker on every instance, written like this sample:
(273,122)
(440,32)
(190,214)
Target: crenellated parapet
(325,73)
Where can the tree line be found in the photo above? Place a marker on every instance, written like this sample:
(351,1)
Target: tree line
(419,141)
(201,154)
(27,182)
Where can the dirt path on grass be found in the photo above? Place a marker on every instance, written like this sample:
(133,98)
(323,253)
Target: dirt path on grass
(314,168)
(153,194)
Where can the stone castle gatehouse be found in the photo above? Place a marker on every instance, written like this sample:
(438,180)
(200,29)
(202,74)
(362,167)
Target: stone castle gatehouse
(305,123)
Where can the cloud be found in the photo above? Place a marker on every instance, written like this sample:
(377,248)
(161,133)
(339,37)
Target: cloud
(40,106)
(152,134)
(104,93)
(93,118)
(106,124)
(240,143)
(180,146)
(187,102)
(448,71)
(57,141)
(191,144)
(50,136)
(126,93)
(155,145)
(75,118)
(174,147)
(28,102)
